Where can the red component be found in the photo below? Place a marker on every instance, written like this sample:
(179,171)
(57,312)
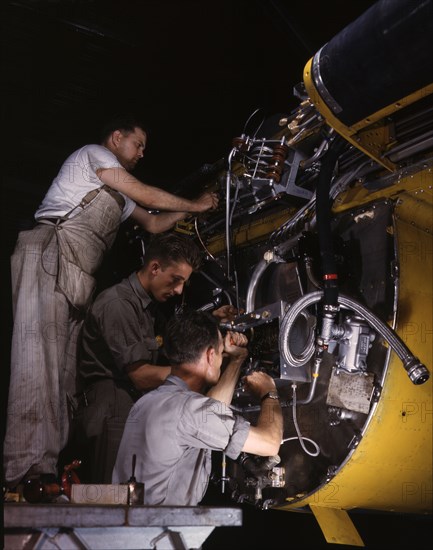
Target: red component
(281,151)
(278,158)
(69,477)
(274,174)
(240,143)
(330,276)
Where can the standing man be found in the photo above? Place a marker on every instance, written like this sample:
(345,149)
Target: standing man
(173,429)
(53,269)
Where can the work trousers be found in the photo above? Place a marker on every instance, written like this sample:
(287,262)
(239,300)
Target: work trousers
(43,359)
(102,412)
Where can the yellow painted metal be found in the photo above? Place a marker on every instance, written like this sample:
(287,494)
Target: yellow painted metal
(372,135)
(418,186)
(391,468)
(252,232)
(336,525)
(393,108)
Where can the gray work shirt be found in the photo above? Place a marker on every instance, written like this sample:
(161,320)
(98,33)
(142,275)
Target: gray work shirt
(172,431)
(118,331)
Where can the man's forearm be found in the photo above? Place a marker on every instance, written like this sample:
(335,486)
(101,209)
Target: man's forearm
(265,438)
(146,195)
(156,223)
(223,390)
(147,377)
(270,421)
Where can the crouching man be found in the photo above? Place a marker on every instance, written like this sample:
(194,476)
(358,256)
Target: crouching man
(173,429)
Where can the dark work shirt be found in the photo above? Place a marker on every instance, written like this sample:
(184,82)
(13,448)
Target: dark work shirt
(118,331)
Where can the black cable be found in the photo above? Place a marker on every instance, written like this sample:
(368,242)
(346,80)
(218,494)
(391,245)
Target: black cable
(323,216)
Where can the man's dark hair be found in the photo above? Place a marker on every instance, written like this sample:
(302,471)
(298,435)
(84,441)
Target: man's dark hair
(125,123)
(168,248)
(188,335)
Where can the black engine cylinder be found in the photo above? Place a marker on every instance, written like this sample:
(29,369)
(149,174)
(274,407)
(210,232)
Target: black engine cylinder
(380,58)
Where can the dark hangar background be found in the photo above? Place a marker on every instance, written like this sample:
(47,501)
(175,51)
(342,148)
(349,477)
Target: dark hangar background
(195,70)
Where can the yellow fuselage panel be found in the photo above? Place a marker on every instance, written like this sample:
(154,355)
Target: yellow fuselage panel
(391,468)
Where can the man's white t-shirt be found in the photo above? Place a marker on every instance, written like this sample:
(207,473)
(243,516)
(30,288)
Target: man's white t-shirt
(76,178)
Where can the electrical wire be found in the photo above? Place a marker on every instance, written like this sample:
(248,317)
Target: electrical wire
(298,431)
(201,241)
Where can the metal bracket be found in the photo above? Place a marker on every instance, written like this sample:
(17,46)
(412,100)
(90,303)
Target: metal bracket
(175,539)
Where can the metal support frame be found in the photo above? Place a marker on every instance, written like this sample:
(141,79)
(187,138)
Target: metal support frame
(107,527)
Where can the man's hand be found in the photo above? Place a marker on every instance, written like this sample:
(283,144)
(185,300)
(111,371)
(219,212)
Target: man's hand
(225,314)
(259,383)
(236,351)
(235,345)
(207,201)
(264,439)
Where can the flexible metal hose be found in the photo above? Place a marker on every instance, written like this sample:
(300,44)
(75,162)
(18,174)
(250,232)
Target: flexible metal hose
(417,372)
(287,324)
